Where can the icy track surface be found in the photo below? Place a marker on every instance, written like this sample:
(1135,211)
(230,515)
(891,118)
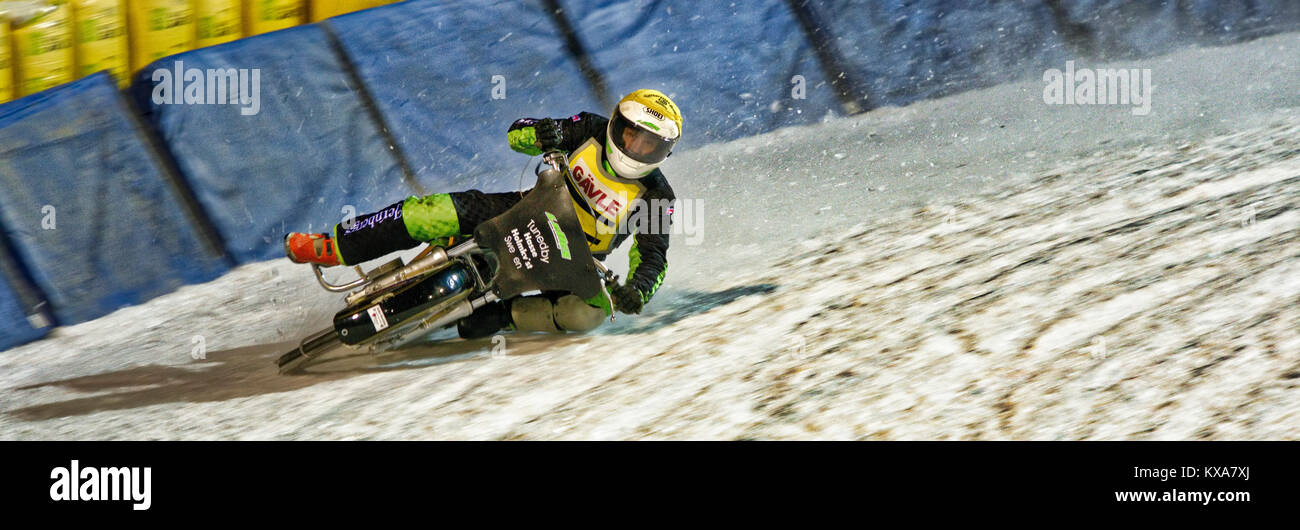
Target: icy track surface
(982,266)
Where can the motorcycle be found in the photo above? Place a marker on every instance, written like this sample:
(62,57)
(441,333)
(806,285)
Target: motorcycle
(536,245)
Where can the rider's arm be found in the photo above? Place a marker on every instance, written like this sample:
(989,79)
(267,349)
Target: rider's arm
(525,137)
(648,257)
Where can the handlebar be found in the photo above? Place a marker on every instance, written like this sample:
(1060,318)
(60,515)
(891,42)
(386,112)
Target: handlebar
(557,160)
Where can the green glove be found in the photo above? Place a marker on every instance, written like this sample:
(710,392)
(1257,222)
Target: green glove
(541,135)
(524,140)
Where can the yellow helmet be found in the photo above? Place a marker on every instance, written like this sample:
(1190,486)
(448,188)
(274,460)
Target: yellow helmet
(643,129)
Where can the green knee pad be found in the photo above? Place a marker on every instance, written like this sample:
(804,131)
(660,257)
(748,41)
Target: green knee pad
(430,217)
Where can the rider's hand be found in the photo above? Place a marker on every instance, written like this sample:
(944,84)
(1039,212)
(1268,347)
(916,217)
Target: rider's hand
(627,299)
(549,134)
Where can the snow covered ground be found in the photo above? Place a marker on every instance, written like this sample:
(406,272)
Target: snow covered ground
(982,266)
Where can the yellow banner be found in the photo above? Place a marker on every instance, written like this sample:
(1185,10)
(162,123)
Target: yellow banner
(6,65)
(218,21)
(43,52)
(160,28)
(323,9)
(262,16)
(101,38)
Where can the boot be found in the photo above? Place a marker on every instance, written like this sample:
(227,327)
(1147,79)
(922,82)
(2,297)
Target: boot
(485,321)
(311,248)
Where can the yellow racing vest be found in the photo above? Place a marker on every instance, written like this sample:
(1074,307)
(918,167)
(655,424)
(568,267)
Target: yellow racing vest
(603,200)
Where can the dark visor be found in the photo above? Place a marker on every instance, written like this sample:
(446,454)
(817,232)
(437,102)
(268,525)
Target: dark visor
(641,144)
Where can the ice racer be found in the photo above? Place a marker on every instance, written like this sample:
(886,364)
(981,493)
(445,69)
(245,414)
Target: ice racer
(616,187)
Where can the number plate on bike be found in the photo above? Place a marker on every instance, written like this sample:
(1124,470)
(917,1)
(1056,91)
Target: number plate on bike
(377,318)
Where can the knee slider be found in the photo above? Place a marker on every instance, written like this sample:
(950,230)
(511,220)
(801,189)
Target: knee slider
(572,314)
(533,313)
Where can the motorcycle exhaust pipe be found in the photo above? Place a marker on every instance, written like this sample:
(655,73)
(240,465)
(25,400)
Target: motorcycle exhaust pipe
(321,342)
(457,311)
(431,261)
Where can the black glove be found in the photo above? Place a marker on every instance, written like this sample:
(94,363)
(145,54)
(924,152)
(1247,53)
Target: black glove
(627,299)
(548,132)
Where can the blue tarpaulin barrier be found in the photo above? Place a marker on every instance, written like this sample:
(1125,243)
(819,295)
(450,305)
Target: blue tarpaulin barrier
(450,77)
(299,153)
(898,52)
(17,329)
(901,51)
(22,307)
(87,205)
(730,66)
(1123,28)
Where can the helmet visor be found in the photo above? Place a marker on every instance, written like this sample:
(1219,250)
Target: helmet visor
(639,142)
